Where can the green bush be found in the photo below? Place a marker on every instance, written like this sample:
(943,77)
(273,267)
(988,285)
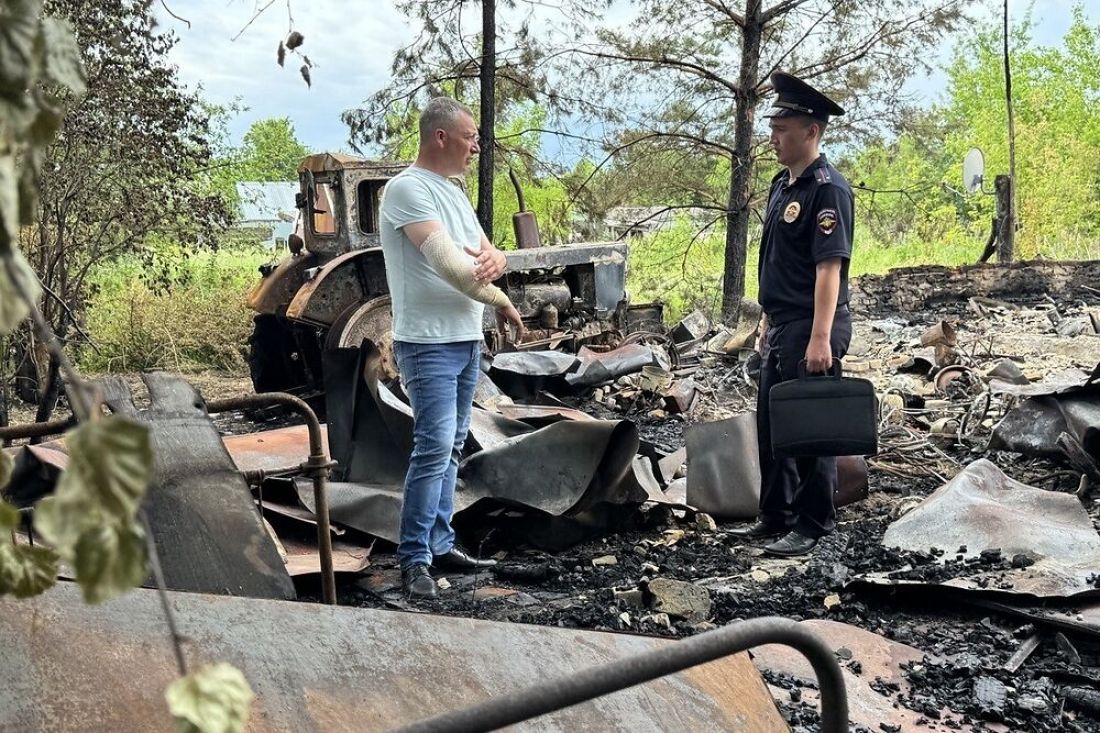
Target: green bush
(172,309)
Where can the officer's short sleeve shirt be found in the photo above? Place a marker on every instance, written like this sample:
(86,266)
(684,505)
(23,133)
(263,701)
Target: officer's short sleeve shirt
(806,222)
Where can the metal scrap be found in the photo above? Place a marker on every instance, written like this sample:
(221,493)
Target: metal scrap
(723,468)
(982,512)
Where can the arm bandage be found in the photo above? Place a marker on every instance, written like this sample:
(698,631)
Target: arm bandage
(453,266)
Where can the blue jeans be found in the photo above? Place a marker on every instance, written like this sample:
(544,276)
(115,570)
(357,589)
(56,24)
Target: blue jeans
(440,380)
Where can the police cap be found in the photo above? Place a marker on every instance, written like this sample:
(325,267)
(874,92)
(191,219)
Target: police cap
(796,97)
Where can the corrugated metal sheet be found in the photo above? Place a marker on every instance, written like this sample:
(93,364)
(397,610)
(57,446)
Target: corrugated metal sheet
(267,201)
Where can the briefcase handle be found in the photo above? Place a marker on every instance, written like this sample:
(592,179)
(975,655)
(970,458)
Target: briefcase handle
(837,367)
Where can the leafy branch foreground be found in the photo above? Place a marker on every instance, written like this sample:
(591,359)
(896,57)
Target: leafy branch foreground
(93,521)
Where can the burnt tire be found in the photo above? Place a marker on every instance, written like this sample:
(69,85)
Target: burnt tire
(272,349)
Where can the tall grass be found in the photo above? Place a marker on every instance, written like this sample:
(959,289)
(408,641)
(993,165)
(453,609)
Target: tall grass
(684,270)
(177,310)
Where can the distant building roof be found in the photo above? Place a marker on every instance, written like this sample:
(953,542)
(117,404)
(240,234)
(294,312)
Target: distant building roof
(267,200)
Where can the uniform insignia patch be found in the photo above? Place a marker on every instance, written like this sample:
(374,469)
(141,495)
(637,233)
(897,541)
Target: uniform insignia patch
(826,221)
(791,212)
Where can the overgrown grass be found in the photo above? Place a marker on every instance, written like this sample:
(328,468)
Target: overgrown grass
(185,311)
(685,271)
(177,310)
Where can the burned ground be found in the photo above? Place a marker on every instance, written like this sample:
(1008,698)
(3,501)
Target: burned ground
(967,677)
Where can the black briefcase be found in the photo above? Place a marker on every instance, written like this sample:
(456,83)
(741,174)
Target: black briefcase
(827,415)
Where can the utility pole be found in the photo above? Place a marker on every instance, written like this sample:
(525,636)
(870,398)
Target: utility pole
(1005,186)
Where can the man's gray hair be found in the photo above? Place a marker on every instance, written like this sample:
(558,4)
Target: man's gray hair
(441,113)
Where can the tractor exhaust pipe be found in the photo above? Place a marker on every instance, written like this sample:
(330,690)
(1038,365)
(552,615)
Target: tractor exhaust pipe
(524,224)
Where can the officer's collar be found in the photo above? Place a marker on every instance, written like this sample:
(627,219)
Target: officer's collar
(819,162)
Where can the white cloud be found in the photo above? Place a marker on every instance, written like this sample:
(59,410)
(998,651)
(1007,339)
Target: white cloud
(350,42)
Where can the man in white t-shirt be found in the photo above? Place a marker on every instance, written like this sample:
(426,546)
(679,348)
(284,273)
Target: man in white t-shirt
(440,266)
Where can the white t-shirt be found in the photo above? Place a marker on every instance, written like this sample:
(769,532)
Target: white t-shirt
(426,308)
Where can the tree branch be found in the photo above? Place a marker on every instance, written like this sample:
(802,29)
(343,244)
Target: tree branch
(721,7)
(780,9)
(663,60)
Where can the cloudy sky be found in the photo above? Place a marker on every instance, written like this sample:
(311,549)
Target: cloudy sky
(352,43)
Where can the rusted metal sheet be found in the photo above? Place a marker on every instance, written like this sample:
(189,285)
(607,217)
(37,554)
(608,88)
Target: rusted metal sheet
(269,450)
(349,279)
(303,558)
(71,667)
(279,286)
(881,661)
(983,509)
(321,162)
(200,510)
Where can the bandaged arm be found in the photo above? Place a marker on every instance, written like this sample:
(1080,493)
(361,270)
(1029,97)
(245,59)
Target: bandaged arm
(451,264)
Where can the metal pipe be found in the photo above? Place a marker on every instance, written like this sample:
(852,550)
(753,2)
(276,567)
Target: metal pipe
(316,466)
(36,429)
(594,682)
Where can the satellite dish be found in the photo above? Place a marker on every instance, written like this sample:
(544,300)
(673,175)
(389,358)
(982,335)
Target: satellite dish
(973,170)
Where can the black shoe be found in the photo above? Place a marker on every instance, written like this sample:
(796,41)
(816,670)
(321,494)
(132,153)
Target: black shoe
(791,544)
(756,530)
(416,582)
(456,559)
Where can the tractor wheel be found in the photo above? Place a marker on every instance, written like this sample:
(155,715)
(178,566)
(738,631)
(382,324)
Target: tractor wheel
(372,321)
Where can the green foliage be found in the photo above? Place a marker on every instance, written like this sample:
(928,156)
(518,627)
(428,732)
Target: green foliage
(176,310)
(91,517)
(24,570)
(545,196)
(270,151)
(1057,152)
(679,267)
(213,699)
(39,68)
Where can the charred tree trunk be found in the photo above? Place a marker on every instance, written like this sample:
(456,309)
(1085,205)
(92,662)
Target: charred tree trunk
(26,368)
(488,116)
(47,399)
(740,193)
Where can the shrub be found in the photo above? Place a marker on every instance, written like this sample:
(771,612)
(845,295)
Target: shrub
(177,310)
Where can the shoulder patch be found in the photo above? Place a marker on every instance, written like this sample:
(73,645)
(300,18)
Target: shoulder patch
(822,175)
(826,221)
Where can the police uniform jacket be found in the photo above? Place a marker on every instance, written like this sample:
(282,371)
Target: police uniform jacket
(807,221)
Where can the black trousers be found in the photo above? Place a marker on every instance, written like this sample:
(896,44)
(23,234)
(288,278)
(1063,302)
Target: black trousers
(795,493)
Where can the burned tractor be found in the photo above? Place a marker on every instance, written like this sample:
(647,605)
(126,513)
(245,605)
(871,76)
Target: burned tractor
(331,291)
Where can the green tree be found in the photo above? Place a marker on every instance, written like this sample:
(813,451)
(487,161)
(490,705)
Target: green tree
(489,67)
(122,167)
(1057,148)
(694,73)
(271,151)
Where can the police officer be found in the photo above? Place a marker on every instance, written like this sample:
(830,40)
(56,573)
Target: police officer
(804,255)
